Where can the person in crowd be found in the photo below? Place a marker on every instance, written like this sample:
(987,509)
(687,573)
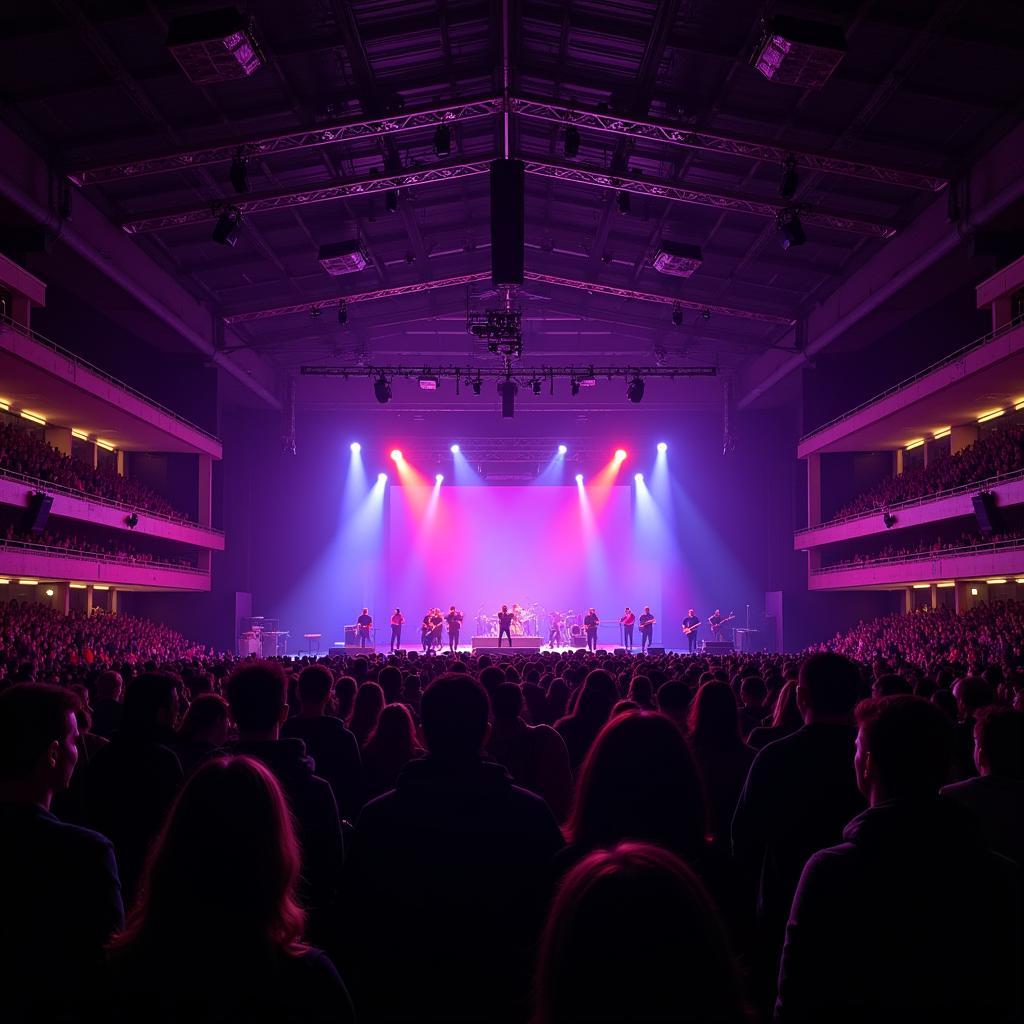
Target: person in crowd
(786,719)
(632,936)
(641,692)
(59,888)
(389,679)
(673,699)
(107,707)
(332,746)
(579,728)
(754,695)
(876,932)
(217,930)
(203,730)
(366,709)
(800,792)
(344,697)
(256,695)
(721,755)
(129,785)
(457,852)
(996,796)
(534,755)
(972,693)
(391,746)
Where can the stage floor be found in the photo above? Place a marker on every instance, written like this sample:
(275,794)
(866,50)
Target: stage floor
(467,649)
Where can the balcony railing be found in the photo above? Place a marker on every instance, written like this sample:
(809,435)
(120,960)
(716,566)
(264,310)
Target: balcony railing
(951,492)
(944,361)
(995,547)
(121,506)
(95,556)
(6,321)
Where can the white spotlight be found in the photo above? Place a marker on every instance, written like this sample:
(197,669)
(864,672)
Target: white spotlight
(638,477)
(455,449)
(579,478)
(382,478)
(355,447)
(662,447)
(439,477)
(562,449)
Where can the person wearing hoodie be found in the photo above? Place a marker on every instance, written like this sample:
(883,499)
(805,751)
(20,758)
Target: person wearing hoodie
(449,877)
(256,694)
(911,917)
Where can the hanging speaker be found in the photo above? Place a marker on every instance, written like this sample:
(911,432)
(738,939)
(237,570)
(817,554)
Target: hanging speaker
(38,512)
(985,512)
(508,192)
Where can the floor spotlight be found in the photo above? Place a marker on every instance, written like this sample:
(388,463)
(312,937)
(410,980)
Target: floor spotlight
(439,478)
(382,389)
(572,142)
(662,447)
(355,447)
(635,390)
(562,449)
(238,174)
(455,449)
(790,180)
(396,454)
(579,478)
(442,140)
(225,231)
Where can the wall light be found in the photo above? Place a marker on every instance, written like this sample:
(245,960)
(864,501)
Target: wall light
(1019,405)
(911,445)
(105,445)
(77,586)
(29,583)
(49,591)
(984,418)
(4,582)
(97,586)
(944,432)
(922,586)
(974,591)
(33,417)
(80,434)
(944,586)
(5,405)
(1020,579)
(995,581)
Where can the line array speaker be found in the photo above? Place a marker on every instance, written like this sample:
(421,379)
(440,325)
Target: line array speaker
(508,203)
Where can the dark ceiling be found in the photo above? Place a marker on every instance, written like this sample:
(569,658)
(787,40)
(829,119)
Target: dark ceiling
(923,87)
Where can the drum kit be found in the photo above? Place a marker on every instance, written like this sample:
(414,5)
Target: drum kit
(531,619)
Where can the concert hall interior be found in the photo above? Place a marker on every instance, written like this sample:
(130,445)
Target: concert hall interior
(450,447)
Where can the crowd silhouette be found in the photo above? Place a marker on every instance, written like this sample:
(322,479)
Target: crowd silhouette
(517,837)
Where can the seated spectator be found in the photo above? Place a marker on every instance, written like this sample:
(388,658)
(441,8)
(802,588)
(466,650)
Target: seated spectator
(107,706)
(721,755)
(217,931)
(390,681)
(972,693)
(580,727)
(877,933)
(641,692)
(256,695)
(799,794)
(449,876)
(129,785)
(890,685)
(996,796)
(534,755)
(333,748)
(59,887)
(391,746)
(674,702)
(754,695)
(203,730)
(786,719)
(366,710)
(633,936)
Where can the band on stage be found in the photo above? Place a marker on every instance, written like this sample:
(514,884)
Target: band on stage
(565,628)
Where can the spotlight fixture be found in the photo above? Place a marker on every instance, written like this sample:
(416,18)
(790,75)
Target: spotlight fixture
(574,387)
(562,449)
(315,313)
(382,389)
(790,180)
(439,478)
(620,454)
(623,202)
(705,314)
(535,384)
(427,382)
(225,231)
(662,447)
(442,140)
(342,312)
(455,449)
(889,519)
(382,478)
(677,315)
(355,447)
(638,477)
(579,478)
(238,173)
(131,521)
(477,385)
(788,223)
(391,200)
(396,454)
(572,142)
(635,390)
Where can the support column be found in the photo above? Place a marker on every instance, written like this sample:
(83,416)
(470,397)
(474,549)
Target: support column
(1002,311)
(120,462)
(60,438)
(961,436)
(814,490)
(897,462)
(112,602)
(95,456)
(908,600)
(88,601)
(934,595)
(205,510)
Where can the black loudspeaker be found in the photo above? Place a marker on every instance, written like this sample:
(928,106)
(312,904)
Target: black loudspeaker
(508,193)
(508,389)
(655,650)
(985,512)
(38,512)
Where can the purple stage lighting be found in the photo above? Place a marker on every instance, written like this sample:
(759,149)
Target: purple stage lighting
(562,449)
(579,478)
(355,447)
(638,477)
(662,447)
(439,477)
(455,449)
(381,477)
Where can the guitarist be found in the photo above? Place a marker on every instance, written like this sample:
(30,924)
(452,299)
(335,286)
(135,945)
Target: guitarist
(646,623)
(690,626)
(715,622)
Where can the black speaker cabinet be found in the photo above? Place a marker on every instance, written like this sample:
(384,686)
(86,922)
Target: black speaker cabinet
(985,512)
(38,512)
(508,193)
(655,650)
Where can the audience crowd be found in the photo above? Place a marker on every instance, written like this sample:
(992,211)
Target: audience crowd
(118,549)
(552,838)
(23,451)
(925,548)
(993,455)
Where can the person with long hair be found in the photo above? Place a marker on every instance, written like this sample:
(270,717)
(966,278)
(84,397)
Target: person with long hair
(581,725)
(366,710)
(786,719)
(203,730)
(216,933)
(724,759)
(391,746)
(632,936)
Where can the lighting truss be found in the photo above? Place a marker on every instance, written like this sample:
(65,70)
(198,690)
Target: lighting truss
(340,131)
(523,375)
(506,449)
(465,279)
(661,189)
(692,138)
(306,197)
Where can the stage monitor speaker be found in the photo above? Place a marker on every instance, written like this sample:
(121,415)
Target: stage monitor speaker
(655,650)
(985,512)
(38,512)
(508,204)
(619,651)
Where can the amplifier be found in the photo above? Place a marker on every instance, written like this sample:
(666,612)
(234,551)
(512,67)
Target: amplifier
(718,647)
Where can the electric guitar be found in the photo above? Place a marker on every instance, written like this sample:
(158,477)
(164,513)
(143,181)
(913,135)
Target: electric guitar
(716,626)
(690,630)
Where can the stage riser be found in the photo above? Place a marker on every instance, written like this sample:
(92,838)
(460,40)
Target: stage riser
(519,643)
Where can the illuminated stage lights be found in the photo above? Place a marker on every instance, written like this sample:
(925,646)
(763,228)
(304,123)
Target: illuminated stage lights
(454,449)
(382,390)
(579,478)
(638,477)
(396,455)
(382,478)
(562,449)
(355,447)
(439,478)
(662,447)
(620,454)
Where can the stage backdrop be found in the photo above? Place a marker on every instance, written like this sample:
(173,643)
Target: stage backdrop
(560,547)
